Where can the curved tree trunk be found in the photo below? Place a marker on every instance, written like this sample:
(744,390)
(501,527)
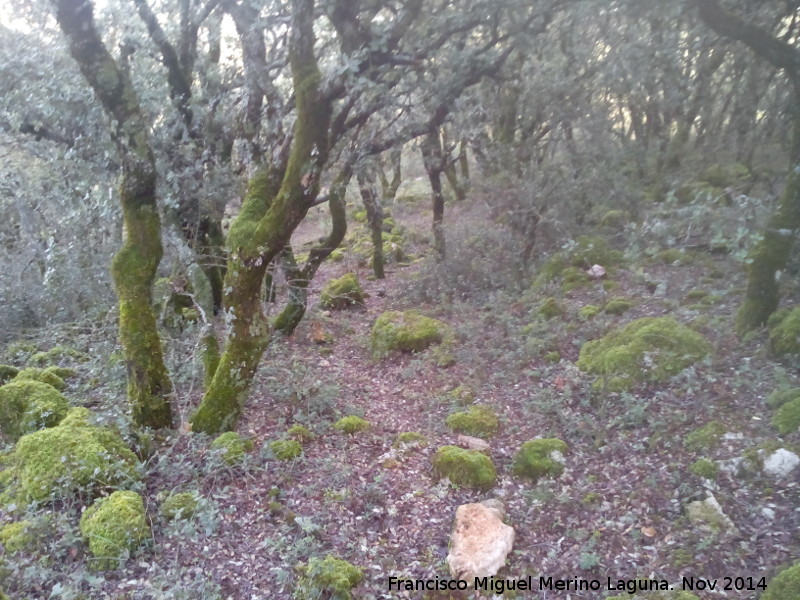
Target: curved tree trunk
(134,266)
(434,166)
(298,278)
(270,213)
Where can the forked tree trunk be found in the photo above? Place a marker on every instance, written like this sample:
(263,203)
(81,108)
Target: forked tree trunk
(270,213)
(134,266)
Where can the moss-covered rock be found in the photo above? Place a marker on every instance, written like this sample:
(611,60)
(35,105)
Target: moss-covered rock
(300,432)
(182,505)
(342,293)
(27,406)
(464,467)
(406,331)
(705,468)
(787,418)
(328,577)
(705,437)
(232,447)
(617,306)
(7,373)
(478,420)
(462,394)
(722,176)
(784,586)
(540,458)
(55,355)
(351,424)
(590,311)
(72,458)
(114,527)
(784,338)
(17,536)
(648,349)
(44,375)
(286,449)
(781,396)
(551,308)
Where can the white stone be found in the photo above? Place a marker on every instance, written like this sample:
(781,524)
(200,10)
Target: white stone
(780,463)
(596,272)
(472,443)
(480,540)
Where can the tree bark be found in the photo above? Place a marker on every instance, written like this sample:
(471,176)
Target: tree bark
(372,204)
(769,258)
(134,266)
(269,215)
(434,166)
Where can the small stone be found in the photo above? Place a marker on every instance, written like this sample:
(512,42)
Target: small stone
(473,443)
(768,513)
(709,513)
(596,272)
(780,463)
(480,541)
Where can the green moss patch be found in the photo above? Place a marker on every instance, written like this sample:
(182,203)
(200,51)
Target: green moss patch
(232,447)
(286,449)
(551,308)
(538,458)
(406,331)
(72,458)
(784,338)
(27,406)
(44,375)
(328,577)
(351,424)
(705,468)
(781,396)
(649,349)
(17,536)
(787,418)
(300,433)
(182,505)
(464,467)
(478,420)
(706,437)
(784,586)
(617,306)
(114,527)
(590,311)
(342,293)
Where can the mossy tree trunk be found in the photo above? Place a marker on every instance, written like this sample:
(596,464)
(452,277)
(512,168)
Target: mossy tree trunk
(433,161)
(134,266)
(276,202)
(769,257)
(298,279)
(389,187)
(369,195)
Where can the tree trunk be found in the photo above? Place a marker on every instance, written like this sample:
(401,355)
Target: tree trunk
(770,256)
(434,165)
(269,215)
(134,266)
(372,204)
(299,279)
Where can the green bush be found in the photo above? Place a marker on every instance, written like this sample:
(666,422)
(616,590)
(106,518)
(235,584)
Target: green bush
(784,586)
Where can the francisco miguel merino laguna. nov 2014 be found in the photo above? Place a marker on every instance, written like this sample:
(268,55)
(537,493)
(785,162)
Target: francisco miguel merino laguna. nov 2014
(498,586)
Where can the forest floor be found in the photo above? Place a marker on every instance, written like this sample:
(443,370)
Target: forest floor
(618,510)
